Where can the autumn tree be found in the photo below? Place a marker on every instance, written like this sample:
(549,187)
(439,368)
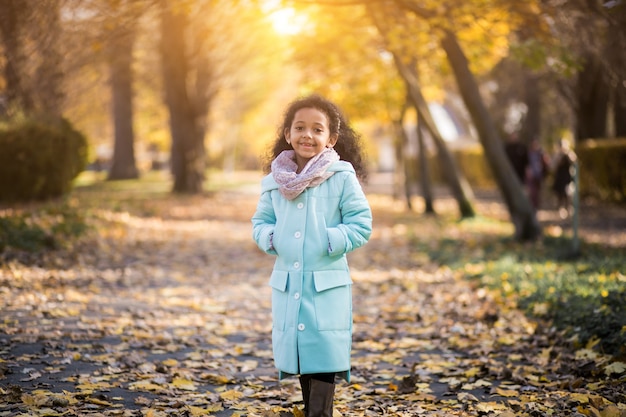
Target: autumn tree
(358,70)
(389,24)
(445,21)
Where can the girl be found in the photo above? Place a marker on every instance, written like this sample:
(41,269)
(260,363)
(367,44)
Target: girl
(311,213)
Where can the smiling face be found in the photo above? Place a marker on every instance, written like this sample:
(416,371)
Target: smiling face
(309,134)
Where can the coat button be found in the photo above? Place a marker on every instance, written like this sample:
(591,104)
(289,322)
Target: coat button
(297,235)
(296,296)
(300,205)
(296,265)
(301,326)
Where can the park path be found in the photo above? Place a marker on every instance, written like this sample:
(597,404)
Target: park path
(168,314)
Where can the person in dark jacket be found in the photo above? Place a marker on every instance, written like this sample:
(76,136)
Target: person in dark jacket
(517,152)
(536,171)
(562,164)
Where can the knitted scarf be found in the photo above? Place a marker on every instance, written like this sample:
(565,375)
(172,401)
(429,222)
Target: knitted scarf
(292,184)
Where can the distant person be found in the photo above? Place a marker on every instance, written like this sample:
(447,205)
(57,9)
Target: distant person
(517,152)
(311,213)
(536,171)
(562,163)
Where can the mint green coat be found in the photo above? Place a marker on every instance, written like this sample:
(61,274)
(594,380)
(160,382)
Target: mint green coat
(311,284)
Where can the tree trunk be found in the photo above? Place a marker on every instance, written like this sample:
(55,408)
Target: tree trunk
(619,111)
(120,60)
(425,182)
(592,98)
(459,186)
(49,77)
(187,155)
(13,15)
(402,177)
(402,180)
(522,214)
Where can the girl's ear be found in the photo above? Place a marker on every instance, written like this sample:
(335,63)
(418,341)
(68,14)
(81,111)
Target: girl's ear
(332,140)
(287,138)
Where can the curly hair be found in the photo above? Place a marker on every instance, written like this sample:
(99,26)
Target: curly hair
(348,144)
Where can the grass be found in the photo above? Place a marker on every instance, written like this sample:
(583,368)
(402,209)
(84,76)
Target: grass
(585,296)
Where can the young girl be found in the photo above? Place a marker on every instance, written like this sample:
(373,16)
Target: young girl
(311,213)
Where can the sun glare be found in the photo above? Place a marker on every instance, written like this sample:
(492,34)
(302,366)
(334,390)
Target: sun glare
(287,22)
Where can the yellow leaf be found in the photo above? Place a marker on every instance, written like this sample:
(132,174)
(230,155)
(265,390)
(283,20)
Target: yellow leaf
(199,411)
(477,384)
(580,397)
(591,412)
(611,411)
(592,342)
(507,340)
(506,392)
(145,385)
(214,408)
(466,396)
(615,368)
(215,379)
(297,412)
(421,397)
(170,362)
(49,412)
(541,309)
(488,407)
(98,401)
(184,384)
(586,354)
(231,395)
(472,372)
(93,386)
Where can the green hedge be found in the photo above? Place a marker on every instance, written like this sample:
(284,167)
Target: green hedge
(602,172)
(39,160)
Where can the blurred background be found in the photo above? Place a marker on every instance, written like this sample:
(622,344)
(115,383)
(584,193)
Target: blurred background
(191,86)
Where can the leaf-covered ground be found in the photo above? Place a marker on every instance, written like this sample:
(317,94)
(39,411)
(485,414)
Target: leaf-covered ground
(163,309)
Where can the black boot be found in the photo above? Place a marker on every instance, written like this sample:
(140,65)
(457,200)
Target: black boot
(305,384)
(321,397)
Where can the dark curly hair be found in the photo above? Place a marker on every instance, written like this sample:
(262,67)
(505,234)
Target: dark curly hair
(348,144)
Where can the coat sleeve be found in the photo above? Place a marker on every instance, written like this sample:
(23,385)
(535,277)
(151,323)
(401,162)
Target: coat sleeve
(263,223)
(356,226)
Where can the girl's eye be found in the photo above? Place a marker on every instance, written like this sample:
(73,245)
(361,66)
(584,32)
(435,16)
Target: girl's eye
(319,130)
(298,127)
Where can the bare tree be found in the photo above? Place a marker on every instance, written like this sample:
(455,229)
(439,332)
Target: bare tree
(120,59)
(187,156)
(32,69)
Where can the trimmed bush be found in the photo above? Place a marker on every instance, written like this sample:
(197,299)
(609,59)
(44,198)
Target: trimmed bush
(602,173)
(39,160)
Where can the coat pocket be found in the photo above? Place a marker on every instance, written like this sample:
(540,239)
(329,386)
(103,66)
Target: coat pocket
(333,300)
(280,297)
